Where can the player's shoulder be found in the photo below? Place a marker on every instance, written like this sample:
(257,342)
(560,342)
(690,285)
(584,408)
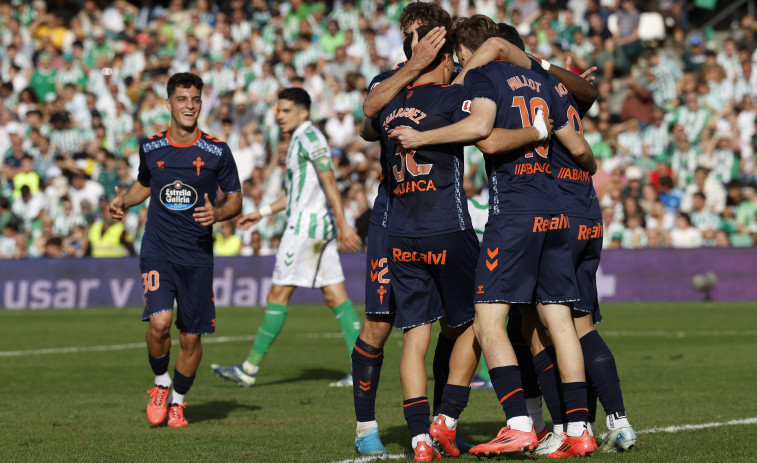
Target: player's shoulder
(153,142)
(383,76)
(211,144)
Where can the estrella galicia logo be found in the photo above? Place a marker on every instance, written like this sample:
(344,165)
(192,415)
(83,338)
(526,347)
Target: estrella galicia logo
(178,196)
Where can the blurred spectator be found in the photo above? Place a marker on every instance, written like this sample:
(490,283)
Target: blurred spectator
(226,242)
(684,235)
(108,238)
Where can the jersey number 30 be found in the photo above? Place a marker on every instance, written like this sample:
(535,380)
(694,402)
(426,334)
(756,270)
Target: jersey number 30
(407,162)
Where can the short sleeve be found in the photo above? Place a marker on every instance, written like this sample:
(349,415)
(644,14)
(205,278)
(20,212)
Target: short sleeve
(228,176)
(479,85)
(143,175)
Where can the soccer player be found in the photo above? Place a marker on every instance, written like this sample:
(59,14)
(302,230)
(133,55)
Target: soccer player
(380,309)
(526,253)
(431,242)
(307,256)
(180,170)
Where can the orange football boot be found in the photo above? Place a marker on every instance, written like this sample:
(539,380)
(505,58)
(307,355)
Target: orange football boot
(444,436)
(176,416)
(580,446)
(507,441)
(157,408)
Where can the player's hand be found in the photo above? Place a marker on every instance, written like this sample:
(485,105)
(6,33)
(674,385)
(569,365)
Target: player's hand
(206,215)
(425,50)
(116,207)
(543,125)
(407,137)
(348,239)
(587,74)
(247,221)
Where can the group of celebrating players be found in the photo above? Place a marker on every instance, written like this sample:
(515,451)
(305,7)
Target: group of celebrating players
(536,264)
(525,296)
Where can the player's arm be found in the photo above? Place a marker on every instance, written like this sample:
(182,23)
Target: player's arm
(579,86)
(501,140)
(136,194)
(473,128)
(367,132)
(247,221)
(346,235)
(494,48)
(424,53)
(578,148)
(207,214)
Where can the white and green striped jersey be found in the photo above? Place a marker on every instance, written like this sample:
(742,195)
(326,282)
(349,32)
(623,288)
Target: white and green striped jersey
(479,215)
(656,139)
(693,122)
(726,165)
(666,74)
(684,163)
(308,210)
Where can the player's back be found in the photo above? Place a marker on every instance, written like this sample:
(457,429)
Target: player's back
(426,184)
(308,210)
(521,181)
(574,182)
(178,177)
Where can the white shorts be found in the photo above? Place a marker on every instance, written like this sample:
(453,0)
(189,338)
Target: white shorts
(307,262)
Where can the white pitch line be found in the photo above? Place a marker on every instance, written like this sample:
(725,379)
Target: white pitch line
(667,429)
(224,339)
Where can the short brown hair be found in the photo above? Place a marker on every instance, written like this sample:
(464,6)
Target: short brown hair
(428,13)
(473,32)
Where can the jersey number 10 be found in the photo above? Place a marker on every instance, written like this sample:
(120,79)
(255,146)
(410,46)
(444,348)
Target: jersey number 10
(526,118)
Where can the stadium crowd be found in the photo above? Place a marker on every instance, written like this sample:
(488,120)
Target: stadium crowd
(674,128)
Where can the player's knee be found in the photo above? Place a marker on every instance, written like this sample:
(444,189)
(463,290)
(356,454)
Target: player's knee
(190,343)
(160,326)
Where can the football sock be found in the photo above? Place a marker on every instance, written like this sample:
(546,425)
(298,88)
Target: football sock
(528,378)
(533,405)
(454,401)
(602,372)
(617,420)
(181,383)
(545,364)
(591,400)
(421,437)
(249,368)
(506,382)
(163,380)
(160,369)
(416,414)
(483,372)
(273,322)
(576,412)
(176,398)
(366,369)
(364,426)
(348,321)
(442,354)
(558,428)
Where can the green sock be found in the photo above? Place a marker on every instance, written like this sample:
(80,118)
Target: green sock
(345,314)
(484,371)
(273,322)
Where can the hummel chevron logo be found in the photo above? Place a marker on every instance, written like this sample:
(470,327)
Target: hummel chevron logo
(492,253)
(365,385)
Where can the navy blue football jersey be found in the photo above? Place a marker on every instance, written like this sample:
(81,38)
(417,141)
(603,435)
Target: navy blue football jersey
(426,184)
(521,181)
(178,177)
(574,181)
(382,204)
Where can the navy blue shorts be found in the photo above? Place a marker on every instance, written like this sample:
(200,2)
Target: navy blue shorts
(526,260)
(379,298)
(586,243)
(433,276)
(190,286)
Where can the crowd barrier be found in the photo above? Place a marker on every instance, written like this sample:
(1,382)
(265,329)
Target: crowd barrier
(624,276)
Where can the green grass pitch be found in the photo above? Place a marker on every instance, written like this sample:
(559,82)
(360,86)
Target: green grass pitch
(73,389)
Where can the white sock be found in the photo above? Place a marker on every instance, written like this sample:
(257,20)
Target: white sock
(616,420)
(576,428)
(421,437)
(449,421)
(591,428)
(249,368)
(176,398)
(520,423)
(533,405)
(558,429)
(365,426)
(163,380)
